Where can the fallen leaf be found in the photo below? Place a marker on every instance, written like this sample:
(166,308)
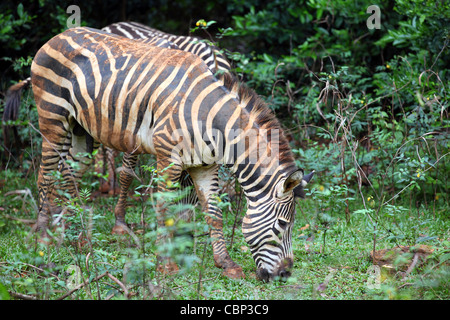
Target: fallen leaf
(304,228)
(244,248)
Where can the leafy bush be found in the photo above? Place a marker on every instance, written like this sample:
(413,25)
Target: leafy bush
(370,104)
(366,108)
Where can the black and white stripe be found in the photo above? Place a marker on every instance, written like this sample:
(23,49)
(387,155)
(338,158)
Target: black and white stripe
(212,56)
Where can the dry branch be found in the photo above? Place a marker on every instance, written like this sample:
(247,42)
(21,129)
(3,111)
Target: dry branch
(22,296)
(81,285)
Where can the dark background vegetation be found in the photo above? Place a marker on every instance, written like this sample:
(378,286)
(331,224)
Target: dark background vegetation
(315,62)
(366,108)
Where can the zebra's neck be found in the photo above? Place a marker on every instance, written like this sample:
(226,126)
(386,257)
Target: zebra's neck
(260,166)
(256,150)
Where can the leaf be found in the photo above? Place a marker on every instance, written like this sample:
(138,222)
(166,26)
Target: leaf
(319,13)
(444,257)
(20,10)
(304,228)
(267,58)
(209,23)
(4,294)
(426,238)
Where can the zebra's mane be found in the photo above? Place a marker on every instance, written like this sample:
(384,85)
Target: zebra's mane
(265,118)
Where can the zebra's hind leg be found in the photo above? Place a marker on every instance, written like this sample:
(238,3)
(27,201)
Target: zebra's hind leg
(64,151)
(111,154)
(51,157)
(74,164)
(207,188)
(125,179)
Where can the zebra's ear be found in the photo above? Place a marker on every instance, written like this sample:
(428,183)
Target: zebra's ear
(294,179)
(298,190)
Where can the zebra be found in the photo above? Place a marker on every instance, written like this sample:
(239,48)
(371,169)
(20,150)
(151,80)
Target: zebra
(94,87)
(212,56)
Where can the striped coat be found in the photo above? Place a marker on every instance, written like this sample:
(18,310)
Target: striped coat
(92,87)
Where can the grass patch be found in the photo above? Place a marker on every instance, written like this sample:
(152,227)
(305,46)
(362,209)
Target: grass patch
(332,256)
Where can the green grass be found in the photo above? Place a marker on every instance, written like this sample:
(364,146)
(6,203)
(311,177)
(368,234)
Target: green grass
(332,256)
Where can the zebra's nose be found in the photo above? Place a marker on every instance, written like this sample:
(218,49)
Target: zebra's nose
(284,268)
(284,274)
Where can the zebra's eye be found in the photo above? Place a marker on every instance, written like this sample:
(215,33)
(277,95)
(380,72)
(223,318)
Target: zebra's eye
(282,223)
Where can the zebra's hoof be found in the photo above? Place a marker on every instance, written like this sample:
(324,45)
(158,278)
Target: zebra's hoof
(234,273)
(119,229)
(41,234)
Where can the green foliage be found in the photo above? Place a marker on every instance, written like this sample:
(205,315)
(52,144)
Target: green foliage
(367,109)
(359,114)
(8,25)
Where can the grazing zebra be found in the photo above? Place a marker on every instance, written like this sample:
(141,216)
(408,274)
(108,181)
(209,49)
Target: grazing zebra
(212,56)
(92,87)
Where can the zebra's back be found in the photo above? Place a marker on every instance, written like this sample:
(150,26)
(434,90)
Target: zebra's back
(113,87)
(212,56)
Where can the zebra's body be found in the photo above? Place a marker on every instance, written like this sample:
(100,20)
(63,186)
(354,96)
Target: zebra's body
(92,87)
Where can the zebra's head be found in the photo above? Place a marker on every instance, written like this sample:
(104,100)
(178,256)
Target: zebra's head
(267,226)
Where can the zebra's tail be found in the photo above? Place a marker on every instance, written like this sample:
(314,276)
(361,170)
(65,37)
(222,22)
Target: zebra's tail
(11,111)
(12,103)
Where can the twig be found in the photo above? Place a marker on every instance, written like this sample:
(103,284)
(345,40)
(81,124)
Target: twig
(82,285)
(42,270)
(26,221)
(22,296)
(133,235)
(413,264)
(395,196)
(121,285)
(200,271)
(295,286)
(405,285)
(25,192)
(445,45)
(87,261)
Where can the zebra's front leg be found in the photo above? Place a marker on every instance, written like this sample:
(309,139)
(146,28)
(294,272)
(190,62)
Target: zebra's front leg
(207,188)
(125,179)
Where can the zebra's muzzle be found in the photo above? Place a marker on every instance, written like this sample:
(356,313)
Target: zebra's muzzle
(282,271)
